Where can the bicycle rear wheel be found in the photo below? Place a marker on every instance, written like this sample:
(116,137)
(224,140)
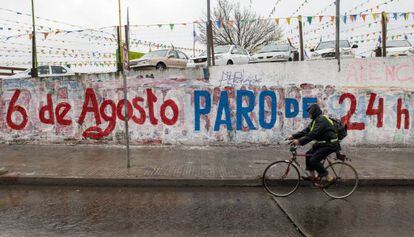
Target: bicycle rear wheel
(346,180)
(281,178)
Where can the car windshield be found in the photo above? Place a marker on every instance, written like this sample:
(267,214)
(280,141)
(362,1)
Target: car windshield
(331,45)
(398,43)
(218,50)
(222,49)
(155,54)
(274,48)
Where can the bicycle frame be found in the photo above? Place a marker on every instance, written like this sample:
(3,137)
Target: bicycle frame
(293,160)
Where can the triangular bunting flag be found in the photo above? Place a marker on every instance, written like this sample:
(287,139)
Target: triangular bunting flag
(277,21)
(218,23)
(172,26)
(355,17)
(406,16)
(288,20)
(159,25)
(395,15)
(344,19)
(332,18)
(320,18)
(374,16)
(363,16)
(310,19)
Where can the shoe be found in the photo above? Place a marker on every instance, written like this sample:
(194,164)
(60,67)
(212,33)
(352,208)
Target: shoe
(326,181)
(308,178)
(3,171)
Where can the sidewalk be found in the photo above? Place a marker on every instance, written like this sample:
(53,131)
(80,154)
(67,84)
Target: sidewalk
(180,166)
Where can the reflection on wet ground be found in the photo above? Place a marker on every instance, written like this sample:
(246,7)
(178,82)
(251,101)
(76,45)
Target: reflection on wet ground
(71,211)
(86,211)
(368,212)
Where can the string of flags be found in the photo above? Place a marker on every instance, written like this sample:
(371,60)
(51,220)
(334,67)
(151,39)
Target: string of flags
(136,42)
(346,19)
(65,63)
(53,48)
(274,8)
(363,38)
(327,7)
(300,7)
(49,20)
(57,53)
(377,7)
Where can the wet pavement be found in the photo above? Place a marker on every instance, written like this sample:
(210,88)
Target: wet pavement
(79,211)
(102,165)
(45,211)
(378,211)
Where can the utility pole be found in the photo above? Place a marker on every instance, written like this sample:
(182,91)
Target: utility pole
(119,50)
(127,40)
(384,33)
(121,70)
(302,56)
(34,53)
(120,47)
(209,36)
(338,23)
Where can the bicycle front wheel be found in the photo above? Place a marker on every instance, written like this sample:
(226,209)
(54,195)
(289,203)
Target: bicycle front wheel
(281,178)
(346,180)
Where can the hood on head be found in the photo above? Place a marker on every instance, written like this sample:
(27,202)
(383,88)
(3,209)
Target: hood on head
(314,111)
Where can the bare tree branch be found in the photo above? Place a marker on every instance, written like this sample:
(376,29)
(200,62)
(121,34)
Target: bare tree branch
(240,27)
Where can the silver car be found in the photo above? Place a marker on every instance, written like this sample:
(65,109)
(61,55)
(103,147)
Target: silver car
(274,53)
(326,50)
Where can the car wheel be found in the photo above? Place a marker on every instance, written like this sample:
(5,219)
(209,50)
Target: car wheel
(229,62)
(161,66)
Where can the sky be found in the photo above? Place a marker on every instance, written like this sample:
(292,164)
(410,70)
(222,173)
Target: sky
(80,14)
(99,13)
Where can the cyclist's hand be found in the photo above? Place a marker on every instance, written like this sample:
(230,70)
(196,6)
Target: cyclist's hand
(295,142)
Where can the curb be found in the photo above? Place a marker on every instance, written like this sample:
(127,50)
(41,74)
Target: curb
(169,182)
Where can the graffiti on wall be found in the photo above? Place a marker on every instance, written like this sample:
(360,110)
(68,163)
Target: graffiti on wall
(213,112)
(381,73)
(196,112)
(107,111)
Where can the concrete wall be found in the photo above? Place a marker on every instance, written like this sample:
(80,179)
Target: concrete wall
(259,103)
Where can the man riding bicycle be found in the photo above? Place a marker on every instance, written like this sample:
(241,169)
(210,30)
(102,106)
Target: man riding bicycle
(322,130)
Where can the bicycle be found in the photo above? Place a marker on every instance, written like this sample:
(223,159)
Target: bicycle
(282,178)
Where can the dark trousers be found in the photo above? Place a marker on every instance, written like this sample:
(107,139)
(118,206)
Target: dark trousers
(316,155)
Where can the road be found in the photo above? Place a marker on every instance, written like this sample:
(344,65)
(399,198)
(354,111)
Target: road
(87,211)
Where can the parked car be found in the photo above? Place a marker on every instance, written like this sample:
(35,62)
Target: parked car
(274,53)
(223,55)
(399,48)
(45,71)
(326,50)
(161,59)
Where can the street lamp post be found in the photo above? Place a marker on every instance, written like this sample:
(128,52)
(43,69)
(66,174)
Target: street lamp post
(34,54)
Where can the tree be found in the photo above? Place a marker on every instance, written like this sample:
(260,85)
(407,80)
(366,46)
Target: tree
(242,27)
